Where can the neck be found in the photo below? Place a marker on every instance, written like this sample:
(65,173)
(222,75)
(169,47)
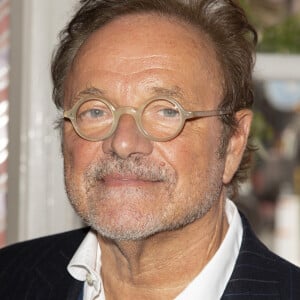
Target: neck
(161,266)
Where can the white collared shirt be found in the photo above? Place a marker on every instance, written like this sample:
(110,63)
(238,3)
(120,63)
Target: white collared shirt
(210,283)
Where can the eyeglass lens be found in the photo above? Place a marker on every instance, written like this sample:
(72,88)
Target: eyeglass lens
(94,119)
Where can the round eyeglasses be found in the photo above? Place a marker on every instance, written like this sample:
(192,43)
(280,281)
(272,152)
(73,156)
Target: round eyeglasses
(159,120)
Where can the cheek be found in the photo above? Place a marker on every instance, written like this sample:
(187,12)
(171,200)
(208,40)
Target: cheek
(78,153)
(193,151)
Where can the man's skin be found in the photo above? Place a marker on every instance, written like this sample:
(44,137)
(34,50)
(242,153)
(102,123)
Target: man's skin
(157,229)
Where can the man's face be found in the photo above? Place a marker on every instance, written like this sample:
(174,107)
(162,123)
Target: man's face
(128,187)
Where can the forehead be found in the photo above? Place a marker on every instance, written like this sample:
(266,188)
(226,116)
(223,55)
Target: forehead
(141,48)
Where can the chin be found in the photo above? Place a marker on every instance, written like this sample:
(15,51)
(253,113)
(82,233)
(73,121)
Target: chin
(122,233)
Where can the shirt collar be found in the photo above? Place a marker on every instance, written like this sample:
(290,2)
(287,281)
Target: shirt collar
(85,264)
(210,283)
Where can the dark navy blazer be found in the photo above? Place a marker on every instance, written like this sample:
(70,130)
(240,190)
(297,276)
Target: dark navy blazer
(37,270)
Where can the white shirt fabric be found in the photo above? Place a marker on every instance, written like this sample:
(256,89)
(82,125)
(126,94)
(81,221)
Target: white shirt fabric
(210,283)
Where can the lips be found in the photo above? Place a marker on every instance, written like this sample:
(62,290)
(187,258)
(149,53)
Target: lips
(126,180)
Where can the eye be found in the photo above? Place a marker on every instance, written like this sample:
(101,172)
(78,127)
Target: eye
(162,110)
(94,113)
(93,110)
(91,114)
(169,113)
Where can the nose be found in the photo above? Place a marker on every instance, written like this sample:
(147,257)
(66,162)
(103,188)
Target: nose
(127,139)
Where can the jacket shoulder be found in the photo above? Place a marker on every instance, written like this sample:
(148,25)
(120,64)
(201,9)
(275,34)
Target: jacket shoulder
(29,255)
(261,273)
(38,268)
(68,241)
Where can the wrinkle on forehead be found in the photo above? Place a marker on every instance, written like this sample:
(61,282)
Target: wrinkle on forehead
(123,54)
(127,66)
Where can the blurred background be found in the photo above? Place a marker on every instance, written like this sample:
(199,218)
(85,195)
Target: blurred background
(271,199)
(32,198)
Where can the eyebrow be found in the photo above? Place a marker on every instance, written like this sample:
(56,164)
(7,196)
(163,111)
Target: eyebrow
(174,92)
(90,91)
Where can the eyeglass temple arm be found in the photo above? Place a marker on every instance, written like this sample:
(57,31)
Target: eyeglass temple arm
(202,114)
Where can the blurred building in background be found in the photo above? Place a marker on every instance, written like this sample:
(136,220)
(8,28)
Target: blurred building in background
(4,71)
(272,197)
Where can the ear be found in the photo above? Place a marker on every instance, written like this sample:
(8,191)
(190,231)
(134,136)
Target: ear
(237,144)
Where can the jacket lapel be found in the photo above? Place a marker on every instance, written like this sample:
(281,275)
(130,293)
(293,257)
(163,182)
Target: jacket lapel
(255,275)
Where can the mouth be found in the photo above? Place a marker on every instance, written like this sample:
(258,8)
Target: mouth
(119,180)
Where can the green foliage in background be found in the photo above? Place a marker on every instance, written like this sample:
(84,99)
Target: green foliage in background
(261,129)
(284,37)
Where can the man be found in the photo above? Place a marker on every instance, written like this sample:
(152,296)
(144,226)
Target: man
(156,97)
